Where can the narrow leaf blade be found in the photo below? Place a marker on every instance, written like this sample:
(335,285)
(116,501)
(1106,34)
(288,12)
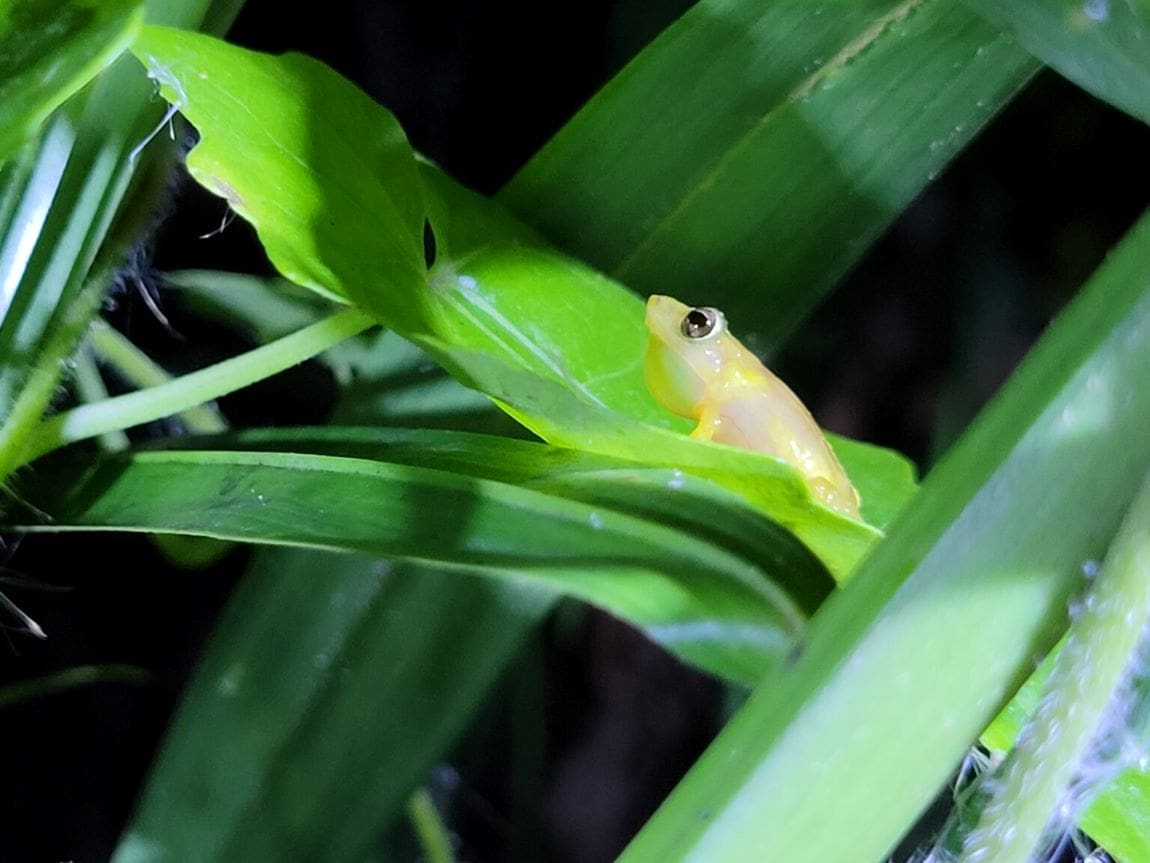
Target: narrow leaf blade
(271,755)
(1101,45)
(703,602)
(339,212)
(750,154)
(49,50)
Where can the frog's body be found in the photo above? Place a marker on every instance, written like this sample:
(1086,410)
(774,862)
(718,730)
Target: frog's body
(697,369)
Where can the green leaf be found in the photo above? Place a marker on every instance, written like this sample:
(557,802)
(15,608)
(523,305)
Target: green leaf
(1119,821)
(324,172)
(566,473)
(264,309)
(71,678)
(706,603)
(560,416)
(330,686)
(750,155)
(1101,45)
(49,50)
(885,479)
(414,649)
(493,304)
(499,315)
(64,224)
(904,667)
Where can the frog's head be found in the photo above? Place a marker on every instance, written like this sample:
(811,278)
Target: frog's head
(684,352)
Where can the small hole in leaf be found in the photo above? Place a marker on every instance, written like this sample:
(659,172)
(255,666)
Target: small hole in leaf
(428,244)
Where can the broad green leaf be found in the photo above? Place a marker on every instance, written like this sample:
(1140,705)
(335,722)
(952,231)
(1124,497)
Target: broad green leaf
(324,172)
(49,50)
(554,342)
(331,685)
(548,313)
(751,154)
(904,667)
(558,415)
(466,221)
(706,603)
(1101,45)
(493,303)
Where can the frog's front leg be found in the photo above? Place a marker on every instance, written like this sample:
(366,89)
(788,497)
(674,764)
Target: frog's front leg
(710,421)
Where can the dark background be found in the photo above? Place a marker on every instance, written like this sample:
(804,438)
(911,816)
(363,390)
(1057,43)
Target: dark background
(906,351)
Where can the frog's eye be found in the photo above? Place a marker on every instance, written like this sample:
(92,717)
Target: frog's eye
(702,322)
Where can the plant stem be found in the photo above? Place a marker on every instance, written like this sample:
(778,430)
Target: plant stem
(139,369)
(429,828)
(70,678)
(195,388)
(90,388)
(1087,696)
(19,429)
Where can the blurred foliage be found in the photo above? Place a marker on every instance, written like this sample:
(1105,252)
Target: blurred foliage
(750,155)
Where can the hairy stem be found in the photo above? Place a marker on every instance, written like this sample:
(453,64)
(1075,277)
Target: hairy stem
(429,828)
(1088,692)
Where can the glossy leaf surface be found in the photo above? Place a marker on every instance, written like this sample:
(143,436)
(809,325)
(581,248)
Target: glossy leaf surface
(324,172)
(49,50)
(704,602)
(386,665)
(751,153)
(1101,45)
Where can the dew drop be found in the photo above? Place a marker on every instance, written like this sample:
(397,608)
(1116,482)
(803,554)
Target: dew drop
(1096,10)
(230,680)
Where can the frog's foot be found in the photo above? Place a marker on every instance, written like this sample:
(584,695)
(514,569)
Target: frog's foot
(709,424)
(833,497)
